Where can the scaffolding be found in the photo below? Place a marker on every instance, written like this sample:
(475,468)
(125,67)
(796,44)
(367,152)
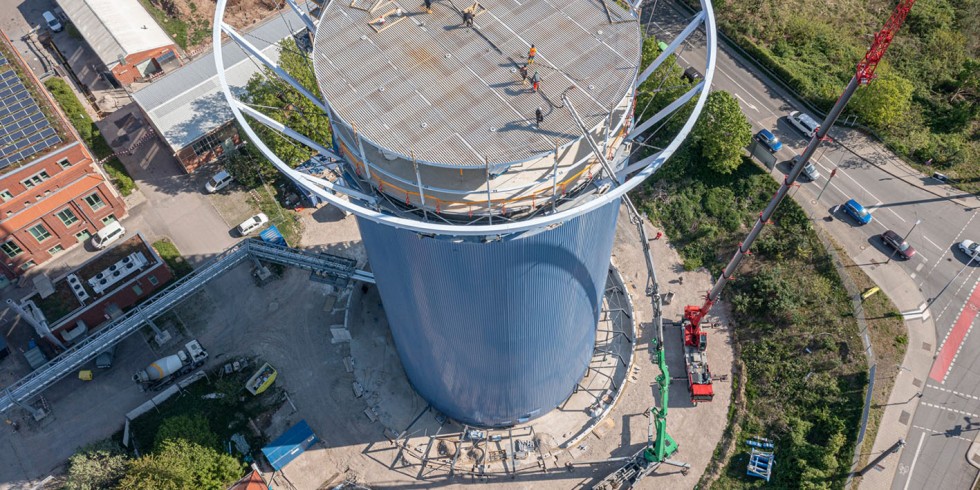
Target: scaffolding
(341,268)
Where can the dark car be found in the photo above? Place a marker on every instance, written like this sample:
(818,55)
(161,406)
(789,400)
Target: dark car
(894,240)
(857,212)
(692,75)
(770,140)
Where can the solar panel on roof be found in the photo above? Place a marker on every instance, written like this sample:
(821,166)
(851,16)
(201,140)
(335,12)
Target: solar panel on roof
(54,140)
(48,132)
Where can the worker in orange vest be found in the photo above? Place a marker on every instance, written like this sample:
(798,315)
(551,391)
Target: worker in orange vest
(531,54)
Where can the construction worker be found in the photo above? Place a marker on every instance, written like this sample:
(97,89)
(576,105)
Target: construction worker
(428,6)
(468,19)
(523,71)
(531,54)
(535,80)
(539,116)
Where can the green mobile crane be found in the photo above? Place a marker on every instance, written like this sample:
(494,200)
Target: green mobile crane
(660,446)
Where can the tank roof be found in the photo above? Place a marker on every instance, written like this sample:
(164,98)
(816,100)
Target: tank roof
(425,84)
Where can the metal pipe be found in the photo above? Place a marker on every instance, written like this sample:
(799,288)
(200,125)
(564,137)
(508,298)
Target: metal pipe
(418,180)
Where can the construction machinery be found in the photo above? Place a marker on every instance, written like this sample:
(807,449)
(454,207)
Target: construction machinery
(695,340)
(660,446)
(168,369)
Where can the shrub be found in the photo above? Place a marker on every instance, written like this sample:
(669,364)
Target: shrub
(96,466)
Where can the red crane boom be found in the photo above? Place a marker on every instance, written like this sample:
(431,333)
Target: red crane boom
(694,338)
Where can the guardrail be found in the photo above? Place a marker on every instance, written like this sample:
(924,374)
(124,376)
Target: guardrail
(120,328)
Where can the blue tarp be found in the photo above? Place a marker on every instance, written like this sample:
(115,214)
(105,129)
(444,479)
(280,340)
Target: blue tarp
(272,235)
(290,445)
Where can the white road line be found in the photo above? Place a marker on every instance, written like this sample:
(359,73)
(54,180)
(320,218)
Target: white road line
(964,395)
(746,92)
(933,243)
(896,214)
(950,409)
(914,459)
(750,106)
(919,267)
(955,239)
(943,433)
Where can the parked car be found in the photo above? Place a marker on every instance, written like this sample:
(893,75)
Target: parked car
(252,224)
(971,249)
(105,358)
(803,122)
(218,182)
(692,75)
(857,212)
(770,140)
(53,23)
(895,241)
(809,170)
(112,232)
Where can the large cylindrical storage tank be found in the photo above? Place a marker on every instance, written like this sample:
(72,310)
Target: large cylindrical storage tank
(433,121)
(494,333)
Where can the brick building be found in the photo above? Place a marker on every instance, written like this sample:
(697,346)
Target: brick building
(124,36)
(53,195)
(187,108)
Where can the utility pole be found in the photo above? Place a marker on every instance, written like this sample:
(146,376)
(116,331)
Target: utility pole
(825,184)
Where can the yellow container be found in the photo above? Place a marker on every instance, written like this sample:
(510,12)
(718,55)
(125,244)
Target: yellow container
(85,375)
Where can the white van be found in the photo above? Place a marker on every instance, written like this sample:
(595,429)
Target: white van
(218,182)
(806,124)
(53,23)
(112,232)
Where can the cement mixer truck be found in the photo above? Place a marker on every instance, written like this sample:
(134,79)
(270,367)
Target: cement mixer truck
(166,370)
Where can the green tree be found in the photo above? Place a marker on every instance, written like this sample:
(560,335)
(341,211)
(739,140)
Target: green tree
(277,99)
(180,465)
(191,428)
(722,131)
(96,466)
(885,101)
(250,168)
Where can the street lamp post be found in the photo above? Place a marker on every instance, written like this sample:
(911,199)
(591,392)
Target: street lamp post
(904,239)
(832,174)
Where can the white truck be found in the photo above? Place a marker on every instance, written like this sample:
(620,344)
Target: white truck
(168,369)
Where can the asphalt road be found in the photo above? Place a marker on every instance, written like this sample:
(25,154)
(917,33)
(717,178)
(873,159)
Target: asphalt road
(938,277)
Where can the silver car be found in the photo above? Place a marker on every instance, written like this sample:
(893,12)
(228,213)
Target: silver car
(971,249)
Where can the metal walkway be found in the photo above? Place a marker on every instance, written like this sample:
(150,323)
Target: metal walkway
(74,357)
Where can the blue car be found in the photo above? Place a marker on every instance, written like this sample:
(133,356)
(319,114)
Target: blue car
(857,212)
(770,140)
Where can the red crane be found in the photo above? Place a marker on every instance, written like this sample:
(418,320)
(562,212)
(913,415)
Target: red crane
(695,340)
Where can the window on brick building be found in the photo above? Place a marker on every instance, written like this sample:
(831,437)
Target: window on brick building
(64,163)
(67,216)
(39,232)
(6,195)
(205,144)
(36,179)
(108,219)
(137,290)
(95,201)
(11,248)
(153,280)
(27,265)
(55,250)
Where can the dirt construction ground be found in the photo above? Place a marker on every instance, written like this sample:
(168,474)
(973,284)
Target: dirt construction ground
(288,323)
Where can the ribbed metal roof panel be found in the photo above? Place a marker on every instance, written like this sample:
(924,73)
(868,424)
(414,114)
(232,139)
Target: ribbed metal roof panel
(473,89)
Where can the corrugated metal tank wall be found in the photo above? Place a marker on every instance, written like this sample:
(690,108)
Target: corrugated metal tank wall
(490,333)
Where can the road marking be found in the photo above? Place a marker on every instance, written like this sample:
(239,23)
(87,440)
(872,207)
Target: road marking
(914,459)
(953,342)
(912,275)
(933,405)
(919,267)
(747,92)
(955,239)
(750,106)
(933,243)
(831,162)
(943,433)
(964,395)
(896,214)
